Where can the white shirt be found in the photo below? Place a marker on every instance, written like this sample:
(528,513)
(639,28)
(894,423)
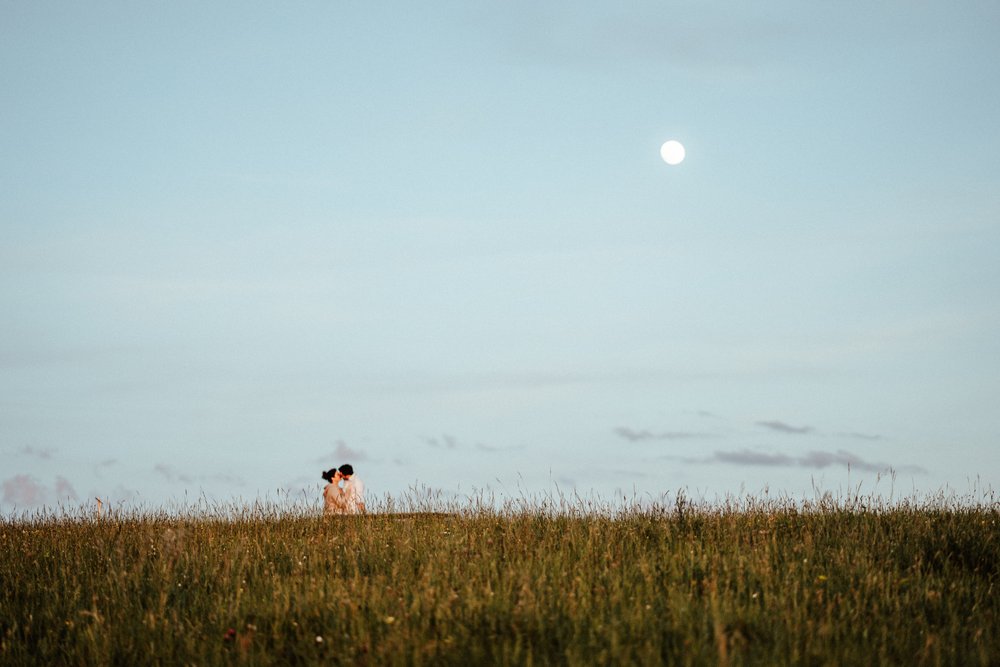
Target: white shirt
(354,494)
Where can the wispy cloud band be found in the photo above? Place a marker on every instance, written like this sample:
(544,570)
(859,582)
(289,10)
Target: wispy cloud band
(639,435)
(813,459)
(782,427)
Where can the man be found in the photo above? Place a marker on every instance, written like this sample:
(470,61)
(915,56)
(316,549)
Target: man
(354,490)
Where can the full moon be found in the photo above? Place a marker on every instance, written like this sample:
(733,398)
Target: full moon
(672,152)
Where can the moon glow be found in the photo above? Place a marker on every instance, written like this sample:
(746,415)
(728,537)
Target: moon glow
(672,152)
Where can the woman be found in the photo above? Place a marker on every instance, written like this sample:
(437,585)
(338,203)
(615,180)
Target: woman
(334,501)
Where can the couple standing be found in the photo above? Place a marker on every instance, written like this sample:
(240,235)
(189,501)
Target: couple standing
(344,492)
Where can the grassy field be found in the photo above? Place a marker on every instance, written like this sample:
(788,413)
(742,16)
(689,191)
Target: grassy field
(749,582)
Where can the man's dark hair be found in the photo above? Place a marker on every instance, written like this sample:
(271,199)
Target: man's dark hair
(347,469)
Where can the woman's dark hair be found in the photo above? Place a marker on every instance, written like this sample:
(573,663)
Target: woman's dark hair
(328,474)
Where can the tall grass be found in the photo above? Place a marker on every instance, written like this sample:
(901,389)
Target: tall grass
(743,581)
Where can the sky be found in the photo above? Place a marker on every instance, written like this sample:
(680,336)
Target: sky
(243,242)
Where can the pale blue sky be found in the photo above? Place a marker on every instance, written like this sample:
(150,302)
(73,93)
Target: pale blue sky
(242,242)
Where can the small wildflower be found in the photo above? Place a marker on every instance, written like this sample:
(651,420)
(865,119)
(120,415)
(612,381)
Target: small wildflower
(319,639)
(229,635)
(389,620)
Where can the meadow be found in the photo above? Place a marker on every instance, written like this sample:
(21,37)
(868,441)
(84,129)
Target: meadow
(739,582)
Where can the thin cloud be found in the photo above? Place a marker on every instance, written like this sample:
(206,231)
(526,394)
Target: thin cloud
(171,474)
(342,453)
(748,457)
(44,453)
(636,435)
(782,427)
(65,490)
(861,436)
(813,459)
(444,442)
(841,458)
(494,448)
(23,491)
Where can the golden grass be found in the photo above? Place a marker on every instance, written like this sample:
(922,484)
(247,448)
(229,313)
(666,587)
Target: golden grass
(749,582)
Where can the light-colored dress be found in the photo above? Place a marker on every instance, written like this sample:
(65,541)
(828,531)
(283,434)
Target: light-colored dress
(334,501)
